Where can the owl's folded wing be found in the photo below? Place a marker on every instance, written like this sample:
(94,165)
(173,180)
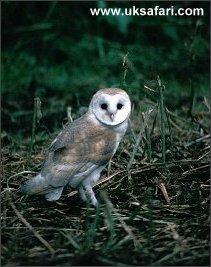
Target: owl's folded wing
(76,153)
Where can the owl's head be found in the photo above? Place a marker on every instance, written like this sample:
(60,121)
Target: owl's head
(110,106)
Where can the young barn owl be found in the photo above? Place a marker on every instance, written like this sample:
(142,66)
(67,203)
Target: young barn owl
(81,151)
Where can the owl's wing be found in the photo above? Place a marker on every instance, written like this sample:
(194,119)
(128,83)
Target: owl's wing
(77,151)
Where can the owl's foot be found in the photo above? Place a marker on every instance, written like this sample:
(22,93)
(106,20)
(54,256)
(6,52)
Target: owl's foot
(91,195)
(88,193)
(82,193)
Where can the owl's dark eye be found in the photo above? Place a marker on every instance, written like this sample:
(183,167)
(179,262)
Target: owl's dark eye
(119,106)
(104,106)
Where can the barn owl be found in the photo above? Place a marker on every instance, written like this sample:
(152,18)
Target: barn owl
(81,151)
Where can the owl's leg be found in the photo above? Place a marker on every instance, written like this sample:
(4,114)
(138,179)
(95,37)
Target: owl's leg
(89,182)
(54,194)
(91,195)
(82,193)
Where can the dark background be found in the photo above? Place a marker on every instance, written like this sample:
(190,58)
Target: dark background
(60,53)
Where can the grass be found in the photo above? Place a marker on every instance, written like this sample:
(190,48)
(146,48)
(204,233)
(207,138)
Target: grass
(154,194)
(152,211)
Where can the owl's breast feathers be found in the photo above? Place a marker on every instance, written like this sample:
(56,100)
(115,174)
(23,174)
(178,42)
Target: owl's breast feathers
(81,143)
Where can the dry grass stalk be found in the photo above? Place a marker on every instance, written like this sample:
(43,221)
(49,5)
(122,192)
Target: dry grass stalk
(28,225)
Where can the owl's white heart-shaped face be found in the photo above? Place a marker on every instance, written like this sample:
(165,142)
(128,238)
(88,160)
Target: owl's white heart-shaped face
(111,106)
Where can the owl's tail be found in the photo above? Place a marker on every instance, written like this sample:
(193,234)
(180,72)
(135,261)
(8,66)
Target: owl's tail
(35,186)
(39,185)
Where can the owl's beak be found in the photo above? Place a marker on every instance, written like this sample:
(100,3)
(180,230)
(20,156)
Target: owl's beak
(111,116)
